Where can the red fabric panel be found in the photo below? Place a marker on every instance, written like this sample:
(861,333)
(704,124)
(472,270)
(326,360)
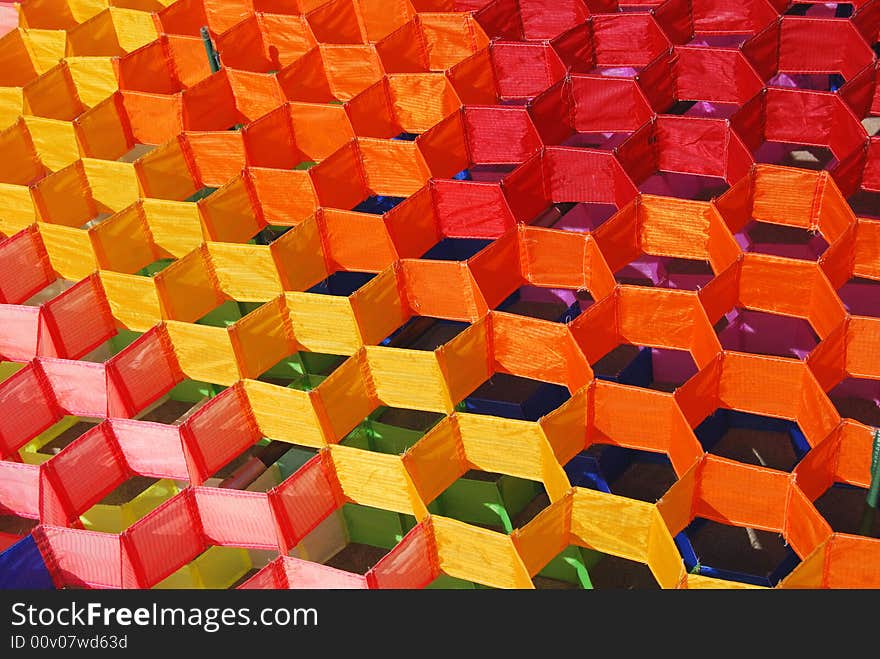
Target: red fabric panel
(24,267)
(551,112)
(81,558)
(867,21)
(524,69)
(270,577)
(142,373)
(871,177)
(692,145)
(301,574)
(240,519)
(218,432)
(608,105)
(21,328)
(165,540)
(859,91)
(627,39)
(707,74)
(19,489)
(151,449)
(413,563)
(676,19)
(638,154)
(84,473)
(500,19)
(526,189)
(583,175)
(748,122)
(739,158)
(467,209)
(80,388)
(812,118)
(499,135)
(816,45)
(656,81)
(544,19)
(304,500)
(576,49)
(720,16)
(80,318)
(26,407)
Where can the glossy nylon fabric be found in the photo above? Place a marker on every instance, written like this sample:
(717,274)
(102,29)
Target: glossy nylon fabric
(579,142)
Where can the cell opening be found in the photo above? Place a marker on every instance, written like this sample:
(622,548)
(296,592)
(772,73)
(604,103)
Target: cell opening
(681,185)
(218,568)
(559,305)
(391,430)
(764,333)
(574,217)
(789,154)
(228,313)
(55,439)
(48,292)
(303,370)
(456,249)
(424,333)
(342,283)
(659,369)
(515,397)
(858,399)
(127,503)
(845,509)
(632,473)
(176,406)
(861,296)
(781,240)
(262,466)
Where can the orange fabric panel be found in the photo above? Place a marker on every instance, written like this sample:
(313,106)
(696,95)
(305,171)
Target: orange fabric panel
(834,214)
(412,224)
(122,242)
(218,157)
(785,195)
(394,168)
(677,505)
(378,307)
(655,317)
(103,131)
(698,397)
(319,129)
(496,269)
(853,562)
(339,180)
(810,573)
(761,385)
(421,100)
(722,247)
(350,68)
(168,172)
(764,277)
(827,360)
(815,472)
(436,461)
(863,341)
(854,459)
(619,237)
(722,293)
(451,38)
(154,118)
(284,198)
(444,147)
(474,79)
(817,415)
(442,289)
(538,349)
(343,400)
(805,529)
(65,197)
(356,241)
(228,214)
(299,257)
(631,416)
(674,227)
(743,495)
(595,330)
(867,257)
(382,17)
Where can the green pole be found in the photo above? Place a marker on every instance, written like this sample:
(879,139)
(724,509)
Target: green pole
(213,57)
(870,513)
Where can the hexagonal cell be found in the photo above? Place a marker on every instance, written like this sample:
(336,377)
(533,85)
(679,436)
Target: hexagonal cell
(617,573)
(112,346)
(391,430)
(484,173)
(753,439)
(455,249)
(424,333)
(261,467)
(763,333)
(180,403)
(377,204)
(354,538)
(865,203)
(493,501)
(844,507)
(342,283)
(820,9)
(680,185)
(631,473)
(302,370)
(560,305)
(734,553)
(227,313)
(13,528)
(569,570)
(127,503)
(858,399)
(790,154)
(52,441)
(780,240)
(515,397)
(578,217)
(154,268)
(218,568)
(661,369)
(51,290)
(665,272)
(861,296)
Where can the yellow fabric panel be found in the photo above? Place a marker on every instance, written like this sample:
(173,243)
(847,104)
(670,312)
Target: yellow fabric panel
(63,14)
(228,214)
(54,140)
(323,323)
(465,360)
(506,446)
(299,256)
(176,226)
(375,479)
(64,197)
(11,105)
(113,32)
(47,47)
(204,353)
(345,399)
(566,427)
(284,414)
(378,307)
(16,208)
(101,132)
(133,300)
(663,557)
(475,554)
(93,77)
(53,95)
(539,541)
(133,28)
(263,338)
(699,582)
(122,242)
(20,163)
(245,272)
(611,524)
(436,461)
(166,173)
(409,379)
(70,251)
(552,474)
(810,573)
(187,289)
(114,185)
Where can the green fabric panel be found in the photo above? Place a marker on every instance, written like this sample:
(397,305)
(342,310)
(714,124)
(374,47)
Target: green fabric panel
(318,363)
(123,339)
(357,438)
(569,566)
(295,458)
(223,316)
(516,493)
(445,582)
(391,439)
(371,526)
(192,391)
(466,500)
